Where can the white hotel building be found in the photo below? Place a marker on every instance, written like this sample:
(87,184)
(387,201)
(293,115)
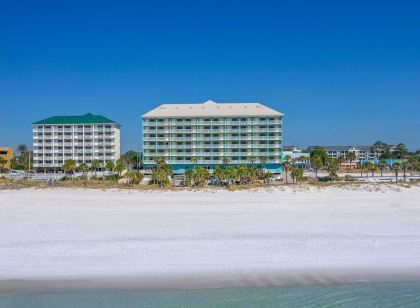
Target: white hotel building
(80,138)
(207,134)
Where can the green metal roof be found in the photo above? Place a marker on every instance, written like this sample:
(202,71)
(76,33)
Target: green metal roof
(87,118)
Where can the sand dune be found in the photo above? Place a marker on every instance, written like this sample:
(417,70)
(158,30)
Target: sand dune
(82,238)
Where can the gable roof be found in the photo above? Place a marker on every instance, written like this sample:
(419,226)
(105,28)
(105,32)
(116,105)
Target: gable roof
(211,109)
(87,118)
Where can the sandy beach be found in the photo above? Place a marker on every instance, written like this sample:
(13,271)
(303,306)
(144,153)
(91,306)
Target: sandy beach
(75,238)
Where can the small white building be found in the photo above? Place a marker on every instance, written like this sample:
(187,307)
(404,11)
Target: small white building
(81,138)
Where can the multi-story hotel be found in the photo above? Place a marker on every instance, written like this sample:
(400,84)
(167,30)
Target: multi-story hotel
(80,138)
(210,133)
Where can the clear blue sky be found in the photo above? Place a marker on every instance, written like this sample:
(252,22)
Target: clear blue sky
(343,72)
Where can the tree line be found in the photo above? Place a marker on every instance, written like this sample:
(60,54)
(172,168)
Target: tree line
(407,161)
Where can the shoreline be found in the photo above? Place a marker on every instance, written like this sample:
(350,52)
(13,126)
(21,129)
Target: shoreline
(282,278)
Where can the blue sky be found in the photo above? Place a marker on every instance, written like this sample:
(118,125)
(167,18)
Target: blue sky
(342,72)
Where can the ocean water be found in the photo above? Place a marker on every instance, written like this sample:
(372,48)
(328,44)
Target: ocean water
(370,295)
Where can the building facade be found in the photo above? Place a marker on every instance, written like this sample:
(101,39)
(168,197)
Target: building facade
(210,134)
(295,153)
(80,138)
(362,152)
(7,154)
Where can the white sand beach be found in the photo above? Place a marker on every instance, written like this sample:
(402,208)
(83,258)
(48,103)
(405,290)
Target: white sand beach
(184,239)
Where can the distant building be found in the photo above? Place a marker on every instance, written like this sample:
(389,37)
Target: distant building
(362,152)
(7,154)
(297,156)
(292,148)
(80,138)
(207,134)
(295,152)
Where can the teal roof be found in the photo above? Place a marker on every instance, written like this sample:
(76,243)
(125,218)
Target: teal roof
(87,118)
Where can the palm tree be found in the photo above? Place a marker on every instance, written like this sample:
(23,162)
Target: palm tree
(396,167)
(316,164)
(303,160)
(412,160)
(219,174)
(405,165)
(231,175)
(84,169)
(332,168)
(361,168)
(95,165)
(242,173)
(188,177)
(286,164)
(109,165)
(351,156)
(340,161)
(161,173)
(200,176)
(119,167)
(131,159)
(134,177)
(69,166)
(382,165)
(297,174)
(369,166)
